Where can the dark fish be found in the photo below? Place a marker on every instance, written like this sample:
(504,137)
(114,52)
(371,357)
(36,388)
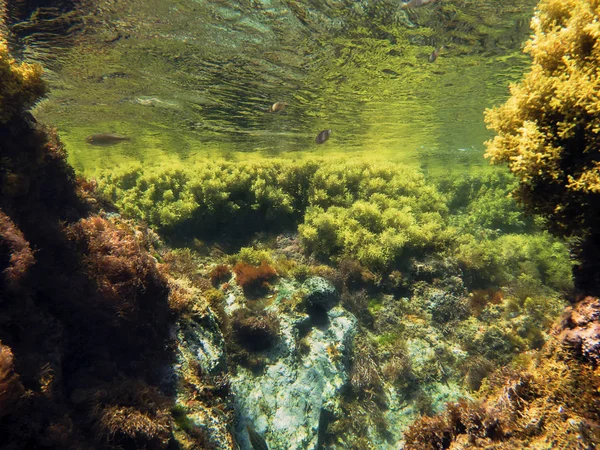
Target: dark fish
(278,106)
(417,3)
(257,441)
(323,136)
(106,139)
(435,53)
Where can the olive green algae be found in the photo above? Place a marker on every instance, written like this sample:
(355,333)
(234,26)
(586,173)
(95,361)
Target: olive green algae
(470,291)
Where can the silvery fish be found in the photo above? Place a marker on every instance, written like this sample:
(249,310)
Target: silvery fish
(106,139)
(257,441)
(323,136)
(417,3)
(278,106)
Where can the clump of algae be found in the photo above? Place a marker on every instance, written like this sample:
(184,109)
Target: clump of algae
(548,129)
(22,85)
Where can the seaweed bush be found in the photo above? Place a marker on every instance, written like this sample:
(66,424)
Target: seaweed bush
(253,280)
(212,199)
(18,251)
(484,203)
(501,261)
(131,412)
(548,129)
(21,86)
(374,214)
(219,274)
(11,389)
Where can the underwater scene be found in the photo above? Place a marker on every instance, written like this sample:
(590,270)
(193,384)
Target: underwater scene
(299,224)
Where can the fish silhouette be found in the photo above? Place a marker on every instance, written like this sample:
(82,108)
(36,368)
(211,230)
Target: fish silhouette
(106,139)
(257,441)
(278,106)
(323,136)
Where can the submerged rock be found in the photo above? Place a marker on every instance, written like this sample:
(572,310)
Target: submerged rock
(199,375)
(320,293)
(287,403)
(581,329)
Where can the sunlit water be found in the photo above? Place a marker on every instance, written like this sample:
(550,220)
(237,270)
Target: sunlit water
(194,79)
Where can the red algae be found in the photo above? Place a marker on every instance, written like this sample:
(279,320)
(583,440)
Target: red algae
(254,280)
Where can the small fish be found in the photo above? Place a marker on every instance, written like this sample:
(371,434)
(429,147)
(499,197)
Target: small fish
(323,136)
(278,106)
(435,53)
(257,441)
(106,139)
(417,3)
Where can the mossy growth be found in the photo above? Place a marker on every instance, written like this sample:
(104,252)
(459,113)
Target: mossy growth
(179,414)
(21,85)
(369,219)
(214,199)
(483,203)
(503,260)
(219,274)
(548,129)
(372,213)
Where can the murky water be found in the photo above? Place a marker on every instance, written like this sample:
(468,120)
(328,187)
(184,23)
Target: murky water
(196,78)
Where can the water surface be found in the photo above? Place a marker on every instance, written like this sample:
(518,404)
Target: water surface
(194,79)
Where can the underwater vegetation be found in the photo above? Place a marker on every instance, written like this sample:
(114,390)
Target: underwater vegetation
(448,279)
(548,399)
(255,329)
(17,249)
(378,216)
(253,280)
(547,132)
(86,308)
(213,199)
(22,86)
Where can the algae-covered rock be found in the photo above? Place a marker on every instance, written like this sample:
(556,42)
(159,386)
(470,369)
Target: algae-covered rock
(444,306)
(581,329)
(289,402)
(320,293)
(200,383)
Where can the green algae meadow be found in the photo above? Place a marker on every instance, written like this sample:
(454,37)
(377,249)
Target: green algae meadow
(213,277)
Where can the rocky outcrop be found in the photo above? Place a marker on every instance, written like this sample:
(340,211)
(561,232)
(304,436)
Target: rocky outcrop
(290,402)
(581,329)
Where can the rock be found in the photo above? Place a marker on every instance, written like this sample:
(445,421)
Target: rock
(320,293)
(580,329)
(200,364)
(288,402)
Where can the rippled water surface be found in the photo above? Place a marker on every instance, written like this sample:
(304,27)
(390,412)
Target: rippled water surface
(196,78)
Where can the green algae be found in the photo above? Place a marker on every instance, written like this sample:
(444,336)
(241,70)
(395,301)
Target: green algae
(385,103)
(379,215)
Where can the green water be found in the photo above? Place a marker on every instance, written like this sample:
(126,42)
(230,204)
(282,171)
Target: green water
(194,79)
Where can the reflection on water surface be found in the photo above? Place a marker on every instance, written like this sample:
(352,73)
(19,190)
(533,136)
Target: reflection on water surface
(197,78)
